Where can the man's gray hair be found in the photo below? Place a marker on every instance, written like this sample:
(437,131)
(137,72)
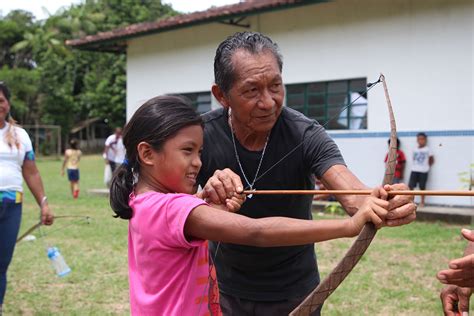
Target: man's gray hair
(252,42)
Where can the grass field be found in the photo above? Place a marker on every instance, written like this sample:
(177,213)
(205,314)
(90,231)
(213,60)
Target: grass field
(395,277)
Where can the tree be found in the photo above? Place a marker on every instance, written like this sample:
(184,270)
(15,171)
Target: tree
(54,84)
(12,28)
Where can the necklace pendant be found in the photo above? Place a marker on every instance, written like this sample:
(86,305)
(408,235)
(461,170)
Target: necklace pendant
(250,195)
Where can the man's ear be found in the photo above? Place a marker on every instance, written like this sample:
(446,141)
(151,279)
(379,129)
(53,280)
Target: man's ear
(146,153)
(220,96)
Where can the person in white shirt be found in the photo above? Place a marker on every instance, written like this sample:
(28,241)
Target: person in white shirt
(114,151)
(423,159)
(17,162)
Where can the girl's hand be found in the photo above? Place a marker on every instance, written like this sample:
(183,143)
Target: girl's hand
(374,210)
(47,217)
(232,204)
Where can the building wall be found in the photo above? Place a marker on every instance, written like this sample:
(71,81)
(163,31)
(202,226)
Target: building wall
(424,48)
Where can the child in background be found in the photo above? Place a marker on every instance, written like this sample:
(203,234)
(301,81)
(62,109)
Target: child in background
(72,157)
(423,159)
(400,165)
(168,260)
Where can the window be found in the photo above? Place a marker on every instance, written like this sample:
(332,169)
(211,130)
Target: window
(201,101)
(326,102)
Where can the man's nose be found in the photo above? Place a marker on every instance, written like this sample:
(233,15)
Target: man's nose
(266,101)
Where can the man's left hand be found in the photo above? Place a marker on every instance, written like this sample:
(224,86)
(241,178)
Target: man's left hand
(402,209)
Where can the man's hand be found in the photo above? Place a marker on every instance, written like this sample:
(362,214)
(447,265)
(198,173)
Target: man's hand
(461,270)
(460,277)
(402,209)
(223,185)
(455,300)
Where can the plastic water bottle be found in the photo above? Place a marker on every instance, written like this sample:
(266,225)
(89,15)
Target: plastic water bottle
(57,260)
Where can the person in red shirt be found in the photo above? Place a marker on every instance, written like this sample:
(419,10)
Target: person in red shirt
(400,166)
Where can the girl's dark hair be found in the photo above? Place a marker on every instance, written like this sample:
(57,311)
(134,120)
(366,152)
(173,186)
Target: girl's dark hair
(4,89)
(74,143)
(156,121)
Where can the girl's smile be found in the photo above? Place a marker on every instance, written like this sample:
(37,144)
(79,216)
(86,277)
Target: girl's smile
(177,164)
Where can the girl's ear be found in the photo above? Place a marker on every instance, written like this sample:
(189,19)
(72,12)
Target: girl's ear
(146,153)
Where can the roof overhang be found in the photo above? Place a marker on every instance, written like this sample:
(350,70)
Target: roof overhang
(115,41)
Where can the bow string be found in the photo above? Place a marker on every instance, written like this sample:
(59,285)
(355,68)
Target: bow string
(317,297)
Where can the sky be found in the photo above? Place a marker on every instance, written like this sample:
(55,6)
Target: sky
(37,6)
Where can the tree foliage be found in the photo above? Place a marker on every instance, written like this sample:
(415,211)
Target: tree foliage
(55,84)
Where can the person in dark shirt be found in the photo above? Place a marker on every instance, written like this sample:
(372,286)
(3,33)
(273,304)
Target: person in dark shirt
(254,142)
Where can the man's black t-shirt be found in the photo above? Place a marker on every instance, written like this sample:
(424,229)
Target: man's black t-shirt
(275,273)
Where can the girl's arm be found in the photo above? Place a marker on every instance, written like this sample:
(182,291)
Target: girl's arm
(64,163)
(205,222)
(33,180)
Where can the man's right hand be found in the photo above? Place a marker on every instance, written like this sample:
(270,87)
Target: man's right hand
(223,185)
(455,300)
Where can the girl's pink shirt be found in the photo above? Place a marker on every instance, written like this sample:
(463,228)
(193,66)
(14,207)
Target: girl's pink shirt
(168,274)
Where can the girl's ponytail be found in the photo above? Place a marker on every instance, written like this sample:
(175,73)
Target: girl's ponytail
(120,190)
(10,136)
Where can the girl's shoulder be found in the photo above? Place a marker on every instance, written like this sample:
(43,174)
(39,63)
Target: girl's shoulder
(156,207)
(21,132)
(154,197)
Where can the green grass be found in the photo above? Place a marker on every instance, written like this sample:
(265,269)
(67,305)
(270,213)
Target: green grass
(96,252)
(395,277)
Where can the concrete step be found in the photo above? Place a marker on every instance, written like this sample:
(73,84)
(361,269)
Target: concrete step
(455,215)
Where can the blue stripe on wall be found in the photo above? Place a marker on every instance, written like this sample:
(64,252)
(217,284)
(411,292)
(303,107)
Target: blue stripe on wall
(468,132)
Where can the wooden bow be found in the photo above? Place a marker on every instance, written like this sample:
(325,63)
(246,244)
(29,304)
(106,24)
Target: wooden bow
(317,297)
(38,224)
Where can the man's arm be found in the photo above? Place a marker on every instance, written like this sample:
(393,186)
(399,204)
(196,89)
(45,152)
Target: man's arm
(401,208)
(341,178)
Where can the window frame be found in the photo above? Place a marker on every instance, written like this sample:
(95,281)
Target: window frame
(327,106)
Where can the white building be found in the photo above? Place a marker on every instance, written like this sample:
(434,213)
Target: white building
(331,50)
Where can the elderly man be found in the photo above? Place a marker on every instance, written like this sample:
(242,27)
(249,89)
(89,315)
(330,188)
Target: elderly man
(269,146)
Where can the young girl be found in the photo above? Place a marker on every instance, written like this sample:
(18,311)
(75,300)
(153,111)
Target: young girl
(168,228)
(71,163)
